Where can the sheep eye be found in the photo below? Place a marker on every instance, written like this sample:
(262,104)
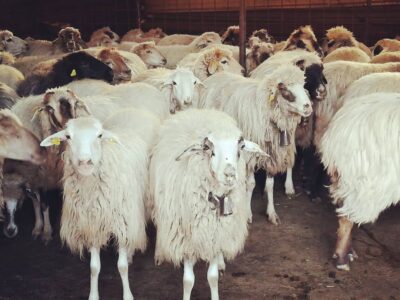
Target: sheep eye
(206,147)
(330,43)
(195,82)
(224,62)
(173,82)
(68,137)
(100,136)
(9,40)
(148,51)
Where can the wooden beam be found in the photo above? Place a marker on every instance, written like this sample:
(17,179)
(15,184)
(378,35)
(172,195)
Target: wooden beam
(242,33)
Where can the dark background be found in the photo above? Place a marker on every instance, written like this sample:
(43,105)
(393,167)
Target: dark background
(369,21)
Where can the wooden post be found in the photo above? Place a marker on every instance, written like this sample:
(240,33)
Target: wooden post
(242,33)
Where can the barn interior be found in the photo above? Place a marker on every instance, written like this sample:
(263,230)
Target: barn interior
(288,260)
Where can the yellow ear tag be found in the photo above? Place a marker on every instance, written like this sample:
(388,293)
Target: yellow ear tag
(73,73)
(271,98)
(56,141)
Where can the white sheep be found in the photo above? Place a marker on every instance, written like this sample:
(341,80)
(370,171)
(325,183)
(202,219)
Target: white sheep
(268,112)
(6,58)
(10,76)
(178,86)
(210,61)
(348,54)
(299,57)
(364,173)
(105,180)
(175,53)
(340,75)
(177,39)
(197,183)
(139,95)
(11,43)
(147,51)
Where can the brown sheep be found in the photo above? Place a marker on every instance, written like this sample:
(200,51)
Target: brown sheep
(303,38)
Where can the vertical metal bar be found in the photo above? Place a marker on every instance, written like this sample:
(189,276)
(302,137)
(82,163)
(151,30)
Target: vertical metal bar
(367,21)
(139,19)
(242,33)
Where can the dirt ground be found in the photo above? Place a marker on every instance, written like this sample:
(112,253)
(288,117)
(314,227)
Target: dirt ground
(289,261)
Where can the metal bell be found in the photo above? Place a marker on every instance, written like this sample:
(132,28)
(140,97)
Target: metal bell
(226,206)
(284,138)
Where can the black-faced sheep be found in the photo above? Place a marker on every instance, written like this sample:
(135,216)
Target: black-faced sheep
(72,67)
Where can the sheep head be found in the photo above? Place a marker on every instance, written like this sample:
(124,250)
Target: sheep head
(222,154)
(150,55)
(259,52)
(116,62)
(386,45)
(217,60)
(315,82)
(16,142)
(104,35)
(231,36)
(181,83)
(69,40)
(206,39)
(303,38)
(263,35)
(337,37)
(58,107)
(11,43)
(285,91)
(84,137)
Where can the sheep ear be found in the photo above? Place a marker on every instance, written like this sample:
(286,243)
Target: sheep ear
(253,148)
(195,148)
(110,137)
(213,66)
(54,139)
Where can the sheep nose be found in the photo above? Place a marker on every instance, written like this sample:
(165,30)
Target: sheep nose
(11,231)
(187,100)
(85,162)
(307,106)
(230,173)
(321,88)
(164,61)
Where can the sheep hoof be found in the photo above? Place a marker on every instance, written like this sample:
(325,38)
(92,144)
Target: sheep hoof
(274,219)
(46,237)
(36,232)
(344,267)
(289,191)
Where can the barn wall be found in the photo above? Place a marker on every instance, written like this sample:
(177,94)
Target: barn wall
(369,23)
(27,17)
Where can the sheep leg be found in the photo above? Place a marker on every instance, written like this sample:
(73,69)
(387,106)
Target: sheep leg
(94,273)
(289,187)
(212,277)
(251,183)
(47,229)
(188,279)
(221,264)
(343,251)
(37,229)
(269,186)
(123,271)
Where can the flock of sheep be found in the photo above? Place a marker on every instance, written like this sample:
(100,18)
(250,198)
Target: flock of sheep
(170,129)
